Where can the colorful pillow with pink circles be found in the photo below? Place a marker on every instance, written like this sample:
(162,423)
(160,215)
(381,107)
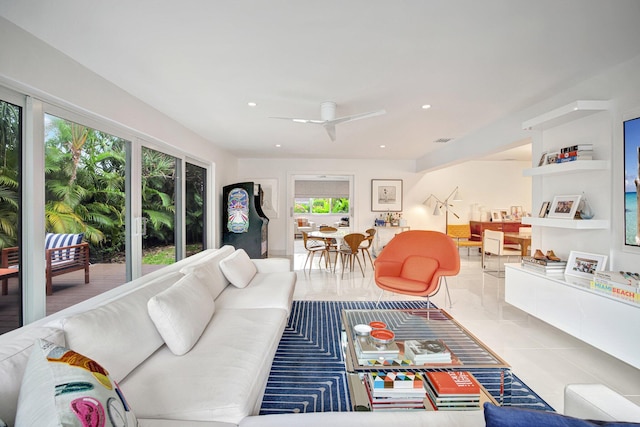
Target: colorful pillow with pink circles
(63,388)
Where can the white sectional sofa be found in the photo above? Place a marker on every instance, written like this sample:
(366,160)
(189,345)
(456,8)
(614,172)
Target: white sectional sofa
(190,349)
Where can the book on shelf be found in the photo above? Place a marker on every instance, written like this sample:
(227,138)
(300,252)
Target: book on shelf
(578,147)
(574,158)
(618,277)
(543,270)
(543,262)
(427,351)
(618,290)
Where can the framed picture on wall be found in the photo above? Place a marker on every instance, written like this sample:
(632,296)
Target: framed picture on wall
(386,195)
(631,181)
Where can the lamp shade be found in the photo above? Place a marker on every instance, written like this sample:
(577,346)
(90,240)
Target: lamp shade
(457,197)
(436,211)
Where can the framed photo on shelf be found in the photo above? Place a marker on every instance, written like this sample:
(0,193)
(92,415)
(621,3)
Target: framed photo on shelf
(544,210)
(564,207)
(582,264)
(386,195)
(543,159)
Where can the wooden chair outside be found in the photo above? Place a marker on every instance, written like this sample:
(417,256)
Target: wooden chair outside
(58,260)
(10,259)
(461,234)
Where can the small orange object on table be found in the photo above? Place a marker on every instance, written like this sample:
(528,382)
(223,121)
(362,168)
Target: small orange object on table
(6,273)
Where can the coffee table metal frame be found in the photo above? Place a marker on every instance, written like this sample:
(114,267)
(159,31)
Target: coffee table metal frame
(470,354)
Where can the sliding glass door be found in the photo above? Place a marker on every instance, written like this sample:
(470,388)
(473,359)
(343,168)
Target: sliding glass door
(10,206)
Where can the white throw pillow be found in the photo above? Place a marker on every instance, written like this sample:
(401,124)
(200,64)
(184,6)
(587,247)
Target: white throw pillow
(64,388)
(181,313)
(208,270)
(238,268)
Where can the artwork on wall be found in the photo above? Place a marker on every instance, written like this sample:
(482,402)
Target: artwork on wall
(632,181)
(270,196)
(386,195)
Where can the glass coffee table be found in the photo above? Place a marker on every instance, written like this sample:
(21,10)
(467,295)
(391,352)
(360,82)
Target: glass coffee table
(468,353)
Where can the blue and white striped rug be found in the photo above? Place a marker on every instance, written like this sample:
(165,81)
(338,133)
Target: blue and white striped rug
(308,372)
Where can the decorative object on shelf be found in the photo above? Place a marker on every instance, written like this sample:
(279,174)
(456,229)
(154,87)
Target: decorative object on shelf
(564,207)
(584,208)
(386,195)
(445,204)
(543,159)
(632,181)
(544,210)
(584,264)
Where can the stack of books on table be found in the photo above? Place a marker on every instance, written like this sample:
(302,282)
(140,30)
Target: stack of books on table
(368,351)
(454,390)
(395,390)
(427,351)
(545,266)
(575,152)
(621,285)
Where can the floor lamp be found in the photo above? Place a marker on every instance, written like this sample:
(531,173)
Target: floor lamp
(440,204)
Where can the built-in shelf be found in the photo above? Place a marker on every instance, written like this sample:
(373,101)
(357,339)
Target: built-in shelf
(575,224)
(566,113)
(567,167)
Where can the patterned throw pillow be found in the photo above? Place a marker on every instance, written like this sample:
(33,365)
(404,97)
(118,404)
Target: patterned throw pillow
(63,388)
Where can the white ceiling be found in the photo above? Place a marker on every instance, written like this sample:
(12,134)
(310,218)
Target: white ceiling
(201,61)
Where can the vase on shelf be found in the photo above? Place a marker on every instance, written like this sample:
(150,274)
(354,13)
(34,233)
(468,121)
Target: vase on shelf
(584,208)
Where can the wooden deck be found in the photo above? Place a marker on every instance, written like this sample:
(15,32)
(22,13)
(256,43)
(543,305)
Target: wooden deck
(68,289)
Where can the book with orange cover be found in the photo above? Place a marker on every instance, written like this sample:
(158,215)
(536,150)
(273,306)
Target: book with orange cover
(453,383)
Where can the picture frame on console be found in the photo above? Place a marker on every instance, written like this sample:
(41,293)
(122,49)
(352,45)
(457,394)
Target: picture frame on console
(583,264)
(386,195)
(564,207)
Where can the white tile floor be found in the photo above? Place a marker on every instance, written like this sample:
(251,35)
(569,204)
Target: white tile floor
(542,356)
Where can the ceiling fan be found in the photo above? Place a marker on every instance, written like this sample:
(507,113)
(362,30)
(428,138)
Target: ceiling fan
(328,118)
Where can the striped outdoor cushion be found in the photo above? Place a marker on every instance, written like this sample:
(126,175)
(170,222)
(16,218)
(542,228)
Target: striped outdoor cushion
(53,241)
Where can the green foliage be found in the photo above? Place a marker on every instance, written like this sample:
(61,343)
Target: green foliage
(340,205)
(320,206)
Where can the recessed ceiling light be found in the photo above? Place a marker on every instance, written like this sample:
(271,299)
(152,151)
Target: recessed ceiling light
(383,146)
(278,145)
(426,106)
(251,104)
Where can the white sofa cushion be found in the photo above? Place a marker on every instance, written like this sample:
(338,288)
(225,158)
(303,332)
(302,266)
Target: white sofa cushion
(266,290)
(221,379)
(64,388)
(14,354)
(120,333)
(181,313)
(598,402)
(208,270)
(238,268)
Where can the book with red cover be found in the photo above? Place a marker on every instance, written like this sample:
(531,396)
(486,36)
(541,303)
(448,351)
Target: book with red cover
(453,383)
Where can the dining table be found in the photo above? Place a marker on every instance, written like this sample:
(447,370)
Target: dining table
(523,239)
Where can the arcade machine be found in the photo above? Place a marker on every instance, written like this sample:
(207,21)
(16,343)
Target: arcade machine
(244,224)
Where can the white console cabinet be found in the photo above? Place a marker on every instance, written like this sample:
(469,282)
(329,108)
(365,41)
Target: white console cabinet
(607,323)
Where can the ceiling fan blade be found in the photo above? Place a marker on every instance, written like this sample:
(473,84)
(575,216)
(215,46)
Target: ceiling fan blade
(357,117)
(331,130)
(297,120)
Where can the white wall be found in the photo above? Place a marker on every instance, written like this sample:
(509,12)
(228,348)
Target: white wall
(31,67)
(493,184)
